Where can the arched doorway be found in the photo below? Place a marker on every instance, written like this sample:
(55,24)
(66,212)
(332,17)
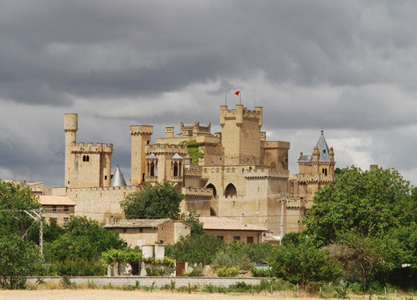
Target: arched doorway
(211,186)
(230,191)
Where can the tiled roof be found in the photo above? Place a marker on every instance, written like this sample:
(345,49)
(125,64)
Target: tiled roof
(55,200)
(138,223)
(221,223)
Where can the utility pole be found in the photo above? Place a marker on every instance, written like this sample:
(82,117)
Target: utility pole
(283,200)
(37,215)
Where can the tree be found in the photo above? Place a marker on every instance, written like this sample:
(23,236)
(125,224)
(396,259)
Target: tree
(366,202)
(161,200)
(13,200)
(17,260)
(304,264)
(195,248)
(191,218)
(364,216)
(84,239)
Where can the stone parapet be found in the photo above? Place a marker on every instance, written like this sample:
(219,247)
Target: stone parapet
(167,149)
(129,189)
(141,129)
(312,178)
(256,174)
(92,148)
(197,192)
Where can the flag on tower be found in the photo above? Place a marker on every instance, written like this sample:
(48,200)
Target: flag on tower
(237,93)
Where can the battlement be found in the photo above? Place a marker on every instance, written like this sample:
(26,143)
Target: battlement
(197,192)
(195,130)
(256,174)
(317,178)
(167,149)
(141,129)
(128,189)
(193,170)
(92,148)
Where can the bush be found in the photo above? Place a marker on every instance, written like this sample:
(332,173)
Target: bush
(231,258)
(227,272)
(260,272)
(79,267)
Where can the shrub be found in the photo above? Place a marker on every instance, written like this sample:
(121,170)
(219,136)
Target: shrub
(227,272)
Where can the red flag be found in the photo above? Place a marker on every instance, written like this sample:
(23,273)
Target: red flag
(237,93)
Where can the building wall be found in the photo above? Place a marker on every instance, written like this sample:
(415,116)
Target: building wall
(61,213)
(229,235)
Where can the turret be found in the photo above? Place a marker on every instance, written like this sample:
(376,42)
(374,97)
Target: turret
(141,136)
(70,128)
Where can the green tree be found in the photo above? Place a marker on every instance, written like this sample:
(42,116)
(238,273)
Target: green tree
(13,201)
(161,200)
(366,202)
(17,260)
(304,264)
(191,218)
(365,216)
(195,248)
(84,238)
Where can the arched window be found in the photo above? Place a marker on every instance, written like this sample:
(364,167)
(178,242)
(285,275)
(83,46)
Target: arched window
(175,169)
(211,186)
(212,212)
(230,191)
(153,169)
(86,158)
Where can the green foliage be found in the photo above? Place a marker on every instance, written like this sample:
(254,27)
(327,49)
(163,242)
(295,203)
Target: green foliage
(79,267)
(293,238)
(67,283)
(195,150)
(303,264)
(191,218)
(126,255)
(84,238)
(258,252)
(13,200)
(17,260)
(227,271)
(371,217)
(365,202)
(233,256)
(160,270)
(195,272)
(260,271)
(158,201)
(195,248)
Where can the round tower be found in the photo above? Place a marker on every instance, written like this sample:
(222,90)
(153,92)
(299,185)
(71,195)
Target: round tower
(70,128)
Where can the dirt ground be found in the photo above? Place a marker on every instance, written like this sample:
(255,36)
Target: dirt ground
(127,295)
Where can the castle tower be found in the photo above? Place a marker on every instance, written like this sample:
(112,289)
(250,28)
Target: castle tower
(316,170)
(141,136)
(70,128)
(86,165)
(241,135)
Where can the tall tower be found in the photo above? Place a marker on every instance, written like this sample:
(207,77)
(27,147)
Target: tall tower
(141,136)
(70,128)
(241,135)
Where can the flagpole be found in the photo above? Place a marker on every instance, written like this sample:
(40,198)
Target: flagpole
(225,97)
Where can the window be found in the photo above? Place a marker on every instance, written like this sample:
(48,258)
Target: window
(124,230)
(86,158)
(249,240)
(66,208)
(54,208)
(220,237)
(236,238)
(66,220)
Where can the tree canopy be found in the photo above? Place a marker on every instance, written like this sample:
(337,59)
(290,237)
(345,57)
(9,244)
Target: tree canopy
(366,202)
(368,218)
(13,201)
(158,201)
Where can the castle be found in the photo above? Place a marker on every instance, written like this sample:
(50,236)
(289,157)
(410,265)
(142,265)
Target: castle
(235,173)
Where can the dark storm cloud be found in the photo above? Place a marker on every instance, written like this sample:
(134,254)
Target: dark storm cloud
(346,66)
(52,51)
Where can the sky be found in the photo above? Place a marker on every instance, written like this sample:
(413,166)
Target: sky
(347,67)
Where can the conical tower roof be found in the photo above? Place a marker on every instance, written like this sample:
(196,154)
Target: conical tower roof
(323,148)
(323,151)
(118,179)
